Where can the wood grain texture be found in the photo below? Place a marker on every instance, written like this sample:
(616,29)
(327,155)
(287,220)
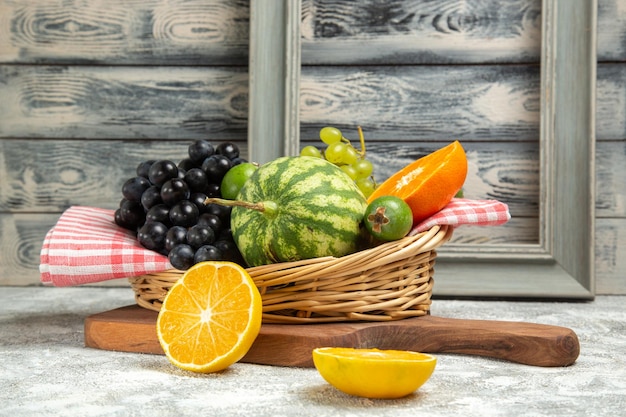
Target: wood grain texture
(123,102)
(472,103)
(391,103)
(192,32)
(404,103)
(610,249)
(216,32)
(611,179)
(442,32)
(611,30)
(131,329)
(273,126)
(568,85)
(77,173)
(413,31)
(611,101)
(21,238)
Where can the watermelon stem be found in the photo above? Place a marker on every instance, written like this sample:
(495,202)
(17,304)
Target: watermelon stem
(268,207)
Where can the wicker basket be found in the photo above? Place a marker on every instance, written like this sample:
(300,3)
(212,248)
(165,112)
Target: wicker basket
(388,282)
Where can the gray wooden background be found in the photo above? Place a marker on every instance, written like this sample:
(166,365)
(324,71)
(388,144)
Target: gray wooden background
(88,89)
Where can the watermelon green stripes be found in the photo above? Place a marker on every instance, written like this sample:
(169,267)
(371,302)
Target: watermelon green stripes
(312,210)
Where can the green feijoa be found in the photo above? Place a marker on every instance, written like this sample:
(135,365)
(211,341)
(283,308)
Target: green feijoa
(235,178)
(388,218)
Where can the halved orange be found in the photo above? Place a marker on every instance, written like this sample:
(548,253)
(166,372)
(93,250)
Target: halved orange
(428,184)
(210,317)
(374,373)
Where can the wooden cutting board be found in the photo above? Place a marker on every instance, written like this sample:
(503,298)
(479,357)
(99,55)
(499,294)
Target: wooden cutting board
(133,329)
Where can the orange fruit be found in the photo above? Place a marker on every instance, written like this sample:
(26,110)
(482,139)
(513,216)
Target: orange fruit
(374,373)
(429,183)
(210,317)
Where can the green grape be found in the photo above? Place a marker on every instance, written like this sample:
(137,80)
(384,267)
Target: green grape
(336,152)
(351,155)
(349,169)
(364,168)
(330,135)
(366,185)
(311,151)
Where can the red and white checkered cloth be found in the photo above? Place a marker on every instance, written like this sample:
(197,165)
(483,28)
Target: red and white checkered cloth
(462,211)
(86,246)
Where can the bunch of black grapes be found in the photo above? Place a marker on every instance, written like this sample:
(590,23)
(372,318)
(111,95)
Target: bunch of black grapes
(164,206)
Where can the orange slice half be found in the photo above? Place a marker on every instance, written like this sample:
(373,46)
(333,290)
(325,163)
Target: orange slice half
(210,317)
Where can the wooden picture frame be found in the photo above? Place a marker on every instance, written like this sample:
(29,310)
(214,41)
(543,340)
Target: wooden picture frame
(561,264)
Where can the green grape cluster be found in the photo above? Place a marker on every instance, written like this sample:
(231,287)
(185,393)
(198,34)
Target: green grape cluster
(340,152)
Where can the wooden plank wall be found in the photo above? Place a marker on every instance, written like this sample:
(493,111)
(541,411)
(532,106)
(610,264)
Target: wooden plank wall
(418,74)
(90,88)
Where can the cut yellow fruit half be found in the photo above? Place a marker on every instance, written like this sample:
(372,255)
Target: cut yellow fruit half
(210,317)
(374,373)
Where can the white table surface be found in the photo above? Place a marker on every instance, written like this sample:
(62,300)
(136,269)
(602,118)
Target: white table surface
(46,370)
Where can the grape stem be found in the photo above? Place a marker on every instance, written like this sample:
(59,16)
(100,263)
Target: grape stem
(268,207)
(361,139)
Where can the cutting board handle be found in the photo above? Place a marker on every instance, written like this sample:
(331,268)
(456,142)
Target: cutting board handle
(526,343)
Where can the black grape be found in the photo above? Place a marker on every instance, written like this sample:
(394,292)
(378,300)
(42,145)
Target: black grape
(162,171)
(208,253)
(151,197)
(159,213)
(200,150)
(184,213)
(210,220)
(143,168)
(215,167)
(213,190)
(133,188)
(200,235)
(198,200)
(181,256)
(130,215)
(229,250)
(173,191)
(223,212)
(175,236)
(196,180)
(186,164)
(152,236)
(228,149)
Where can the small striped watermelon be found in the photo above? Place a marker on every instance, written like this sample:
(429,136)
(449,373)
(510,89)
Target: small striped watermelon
(311,208)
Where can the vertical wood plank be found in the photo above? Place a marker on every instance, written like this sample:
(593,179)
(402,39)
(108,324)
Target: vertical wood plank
(568,136)
(274,78)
